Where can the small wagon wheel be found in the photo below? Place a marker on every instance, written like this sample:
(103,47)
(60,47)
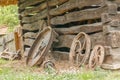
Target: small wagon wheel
(80,49)
(96,57)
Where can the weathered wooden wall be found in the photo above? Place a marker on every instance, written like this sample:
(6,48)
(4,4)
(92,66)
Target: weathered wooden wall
(68,18)
(7,42)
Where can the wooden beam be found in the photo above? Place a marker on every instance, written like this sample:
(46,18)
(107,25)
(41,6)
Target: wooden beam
(71,4)
(28,42)
(59,55)
(89,28)
(42,6)
(30,35)
(79,16)
(34,26)
(113,39)
(66,40)
(28,3)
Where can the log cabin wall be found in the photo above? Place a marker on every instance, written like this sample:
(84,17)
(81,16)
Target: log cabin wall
(68,18)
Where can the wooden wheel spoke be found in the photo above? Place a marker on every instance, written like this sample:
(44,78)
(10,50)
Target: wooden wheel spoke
(97,55)
(81,49)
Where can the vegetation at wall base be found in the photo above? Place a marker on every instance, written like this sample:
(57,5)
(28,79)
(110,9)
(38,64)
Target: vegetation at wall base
(9,16)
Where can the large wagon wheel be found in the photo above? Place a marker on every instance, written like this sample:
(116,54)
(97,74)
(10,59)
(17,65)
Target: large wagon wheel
(80,49)
(96,57)
(40,47)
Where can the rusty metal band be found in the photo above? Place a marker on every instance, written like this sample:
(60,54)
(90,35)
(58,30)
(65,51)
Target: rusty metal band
(96,57)
(36,50)
(86,44)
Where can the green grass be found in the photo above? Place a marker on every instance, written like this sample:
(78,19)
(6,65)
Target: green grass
(9,16)
(9,73)
(91,75)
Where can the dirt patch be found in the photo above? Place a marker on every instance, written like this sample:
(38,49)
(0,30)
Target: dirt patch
(3,29)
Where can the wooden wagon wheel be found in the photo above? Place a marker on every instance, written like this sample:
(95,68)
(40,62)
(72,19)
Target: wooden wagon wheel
(80,49)
(40,47)
(96,57)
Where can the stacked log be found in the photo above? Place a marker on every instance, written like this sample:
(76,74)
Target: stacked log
(111,32)
(67,17)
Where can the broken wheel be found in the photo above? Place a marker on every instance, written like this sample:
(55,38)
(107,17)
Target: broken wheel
(40,47)
(49,64)
(96,57)
(80,49)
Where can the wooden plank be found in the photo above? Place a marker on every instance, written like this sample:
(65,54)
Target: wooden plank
(114,25)
(30,35)
(29,3)
(74,4)
(89,28)
(112,8)
(79,16)
(1,48)
(113,39)
(59,55)
(97,39)
(42,6)
(66,40)
(34,26)
(112,55)
(28,42)
(1,40)
(9,37)
(11,46)
(71,4)
(106,18)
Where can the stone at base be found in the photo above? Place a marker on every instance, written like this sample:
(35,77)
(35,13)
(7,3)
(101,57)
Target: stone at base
(111,66)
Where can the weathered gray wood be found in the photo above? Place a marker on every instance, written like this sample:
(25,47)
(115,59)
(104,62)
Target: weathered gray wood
(79,16)
(58,55)
(113,39)
(115,17)
(11,46)
(66,40)
(97,39)
(1,48)
(112,8)
(89,28)
(42,6)
(114,25)
(112,55)
(28,42)
(30,35)
(74,4)
(34,26)
(71,4)
(112,66)
(28,3)
(105,18)
(1,40)
(9,37)
(7,42)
